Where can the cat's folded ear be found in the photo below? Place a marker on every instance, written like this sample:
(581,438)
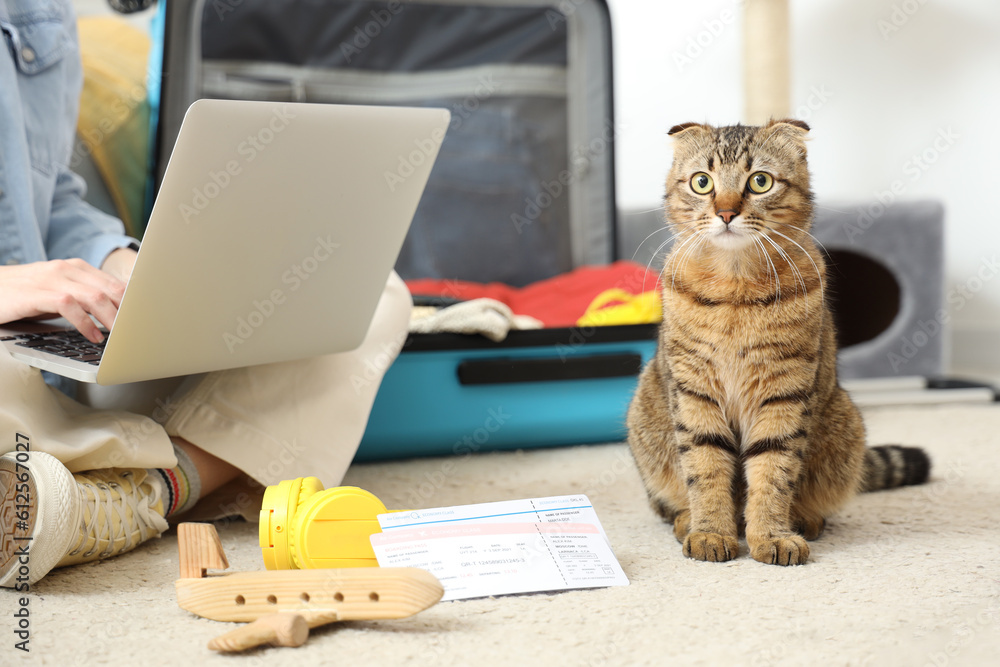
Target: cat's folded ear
(798,124)
(794,131)
(693,128)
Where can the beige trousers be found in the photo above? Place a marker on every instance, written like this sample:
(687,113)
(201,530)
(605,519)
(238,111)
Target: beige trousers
(273,422)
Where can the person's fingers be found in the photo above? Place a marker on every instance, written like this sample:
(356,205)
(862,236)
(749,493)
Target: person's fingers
(70,288)
(67,306)
(95,291)
(98,304)
(83,273)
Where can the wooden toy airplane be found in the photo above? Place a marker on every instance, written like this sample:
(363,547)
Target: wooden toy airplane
(282,605)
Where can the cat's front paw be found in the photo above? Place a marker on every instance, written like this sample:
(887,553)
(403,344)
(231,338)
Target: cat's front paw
(788,550)
(711,547)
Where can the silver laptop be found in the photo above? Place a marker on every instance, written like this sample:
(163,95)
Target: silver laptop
(271,239)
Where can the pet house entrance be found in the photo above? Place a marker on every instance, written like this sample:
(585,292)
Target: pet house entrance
(864,295)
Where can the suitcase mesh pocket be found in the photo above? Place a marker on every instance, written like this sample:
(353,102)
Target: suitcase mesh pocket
(498,191)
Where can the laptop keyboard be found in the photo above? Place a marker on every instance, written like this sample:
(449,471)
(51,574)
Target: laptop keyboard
(67,344)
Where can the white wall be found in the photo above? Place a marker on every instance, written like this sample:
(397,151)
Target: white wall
(879,96)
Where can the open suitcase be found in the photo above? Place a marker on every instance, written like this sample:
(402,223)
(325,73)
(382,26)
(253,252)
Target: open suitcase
(523,189)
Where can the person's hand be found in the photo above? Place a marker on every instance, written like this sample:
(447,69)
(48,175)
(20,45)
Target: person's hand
(67,287)
(119,263)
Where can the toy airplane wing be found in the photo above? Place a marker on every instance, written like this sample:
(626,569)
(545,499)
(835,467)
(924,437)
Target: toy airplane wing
(344,594)
(352,593)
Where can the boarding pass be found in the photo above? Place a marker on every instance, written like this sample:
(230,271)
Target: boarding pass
(516,546)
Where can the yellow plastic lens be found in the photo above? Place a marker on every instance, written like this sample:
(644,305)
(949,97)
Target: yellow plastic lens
(760,182)
(702,183)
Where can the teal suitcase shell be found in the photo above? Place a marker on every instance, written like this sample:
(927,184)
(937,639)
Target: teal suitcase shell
(449,394)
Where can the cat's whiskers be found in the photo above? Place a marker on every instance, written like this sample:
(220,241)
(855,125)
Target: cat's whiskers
(655,232)
(674,255)
(830,208)
(771,268)
(681,230)
(699,237)
(631,213)
(804,231)
(758,249)
(702,239)
(680,258)
(656,253)
(788,260)
(757,225)
(819,274)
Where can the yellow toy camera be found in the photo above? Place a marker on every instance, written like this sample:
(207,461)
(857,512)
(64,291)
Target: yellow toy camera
(303,526)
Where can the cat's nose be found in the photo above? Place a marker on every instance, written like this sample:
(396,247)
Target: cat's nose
(727,215)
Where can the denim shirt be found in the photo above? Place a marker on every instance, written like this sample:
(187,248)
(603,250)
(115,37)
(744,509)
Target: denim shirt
(42,212)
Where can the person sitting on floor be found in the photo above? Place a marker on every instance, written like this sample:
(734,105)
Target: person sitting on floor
(84,482)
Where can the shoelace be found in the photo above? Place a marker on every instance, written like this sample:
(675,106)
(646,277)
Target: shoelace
(141,515)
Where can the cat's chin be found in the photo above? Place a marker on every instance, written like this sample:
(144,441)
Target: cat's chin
(732,240)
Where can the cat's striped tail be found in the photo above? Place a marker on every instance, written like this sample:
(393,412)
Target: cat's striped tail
(889,466)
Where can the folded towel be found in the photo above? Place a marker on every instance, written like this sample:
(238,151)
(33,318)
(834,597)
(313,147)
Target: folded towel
(488,317)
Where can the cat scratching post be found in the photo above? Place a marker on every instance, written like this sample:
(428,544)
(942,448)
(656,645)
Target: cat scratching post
(766,73)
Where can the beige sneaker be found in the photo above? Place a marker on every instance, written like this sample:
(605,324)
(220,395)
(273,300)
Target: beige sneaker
(70,519)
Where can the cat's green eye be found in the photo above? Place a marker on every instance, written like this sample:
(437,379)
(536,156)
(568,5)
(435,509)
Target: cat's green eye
(760,182)
(702,183)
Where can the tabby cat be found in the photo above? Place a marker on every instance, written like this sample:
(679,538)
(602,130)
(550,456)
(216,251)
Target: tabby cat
(739,425)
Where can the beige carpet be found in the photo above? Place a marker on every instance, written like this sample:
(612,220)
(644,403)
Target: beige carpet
(905,577)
